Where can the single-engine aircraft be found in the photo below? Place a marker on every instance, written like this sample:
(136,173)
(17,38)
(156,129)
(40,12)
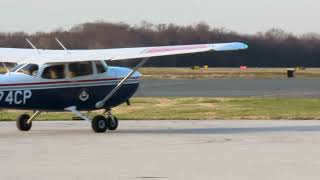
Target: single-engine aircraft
(79,80)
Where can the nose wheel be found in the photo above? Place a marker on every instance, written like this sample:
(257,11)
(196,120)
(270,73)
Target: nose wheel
(22,122)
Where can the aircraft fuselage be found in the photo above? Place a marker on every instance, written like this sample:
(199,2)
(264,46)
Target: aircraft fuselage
(21,91)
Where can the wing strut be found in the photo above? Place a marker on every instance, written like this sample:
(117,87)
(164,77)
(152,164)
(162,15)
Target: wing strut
(60,43)
(101,103)
(32,45)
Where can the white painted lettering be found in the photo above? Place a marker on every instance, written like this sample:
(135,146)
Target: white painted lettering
(1,95)
(16,97)
(26,95)
(9,98)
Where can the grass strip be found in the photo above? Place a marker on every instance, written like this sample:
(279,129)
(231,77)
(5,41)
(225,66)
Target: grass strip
(202,109)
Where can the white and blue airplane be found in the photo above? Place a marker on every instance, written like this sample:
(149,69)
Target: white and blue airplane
(79,80)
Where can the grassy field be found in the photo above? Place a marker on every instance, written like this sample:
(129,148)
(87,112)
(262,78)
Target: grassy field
(213,73)
(203,109)
(208,108)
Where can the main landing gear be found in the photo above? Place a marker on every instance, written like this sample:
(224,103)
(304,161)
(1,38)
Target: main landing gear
(101,124)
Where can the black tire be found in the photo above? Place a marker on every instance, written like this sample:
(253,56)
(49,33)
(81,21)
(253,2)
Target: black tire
(113,123)
(22,124)
(99,124)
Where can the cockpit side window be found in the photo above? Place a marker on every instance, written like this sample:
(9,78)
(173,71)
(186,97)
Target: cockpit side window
(54,72)
(29,69)
(100,67)
(80,69)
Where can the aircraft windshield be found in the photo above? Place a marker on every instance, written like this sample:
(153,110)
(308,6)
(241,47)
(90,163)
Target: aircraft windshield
(29,69)
(100,67)
(17,67)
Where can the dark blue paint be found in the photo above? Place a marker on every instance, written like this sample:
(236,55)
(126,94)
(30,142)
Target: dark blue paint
(60,98)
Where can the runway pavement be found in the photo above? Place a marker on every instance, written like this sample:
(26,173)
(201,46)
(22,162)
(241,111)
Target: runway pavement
(241,150)
(231,88)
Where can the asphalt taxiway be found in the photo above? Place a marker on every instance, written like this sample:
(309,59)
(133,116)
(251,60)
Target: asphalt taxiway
(230,88)
(162,150)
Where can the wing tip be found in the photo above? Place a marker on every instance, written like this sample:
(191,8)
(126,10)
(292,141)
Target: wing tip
(242,46)
(233,46)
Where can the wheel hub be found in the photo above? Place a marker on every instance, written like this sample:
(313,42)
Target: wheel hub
(102,124)
(112,122)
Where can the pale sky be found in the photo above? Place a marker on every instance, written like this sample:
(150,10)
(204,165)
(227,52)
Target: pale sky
(243,16)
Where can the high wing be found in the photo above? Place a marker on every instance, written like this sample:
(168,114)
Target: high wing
(51,56)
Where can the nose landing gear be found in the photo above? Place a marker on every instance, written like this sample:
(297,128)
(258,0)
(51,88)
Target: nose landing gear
(24,121)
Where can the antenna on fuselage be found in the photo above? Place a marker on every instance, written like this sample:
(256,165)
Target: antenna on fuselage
(60,43)
(32,45)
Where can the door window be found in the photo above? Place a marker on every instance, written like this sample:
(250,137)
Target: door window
(54,72)
(79,69)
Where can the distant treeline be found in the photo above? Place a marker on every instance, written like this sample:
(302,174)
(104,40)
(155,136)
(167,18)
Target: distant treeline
(274,48)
